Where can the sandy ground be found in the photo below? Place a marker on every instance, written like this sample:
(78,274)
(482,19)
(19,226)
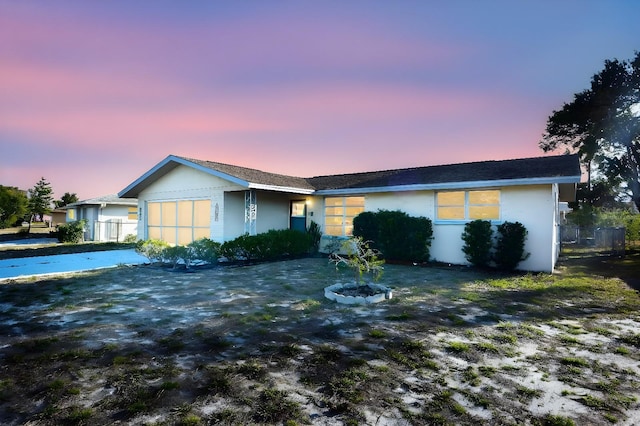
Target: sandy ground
(445,350)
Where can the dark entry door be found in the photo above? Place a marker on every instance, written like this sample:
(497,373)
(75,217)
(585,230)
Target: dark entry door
(298,218)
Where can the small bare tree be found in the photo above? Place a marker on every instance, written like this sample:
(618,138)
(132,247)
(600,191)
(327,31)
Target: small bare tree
(359,257)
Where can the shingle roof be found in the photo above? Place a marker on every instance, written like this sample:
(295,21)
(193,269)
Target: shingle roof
(105,199)
(254,176)
(562,168)
(525,168)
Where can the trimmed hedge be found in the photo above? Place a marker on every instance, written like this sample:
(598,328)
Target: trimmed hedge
(510,245)
(271,245)
(477,242)
(202,251)
(506,250)
(398,236)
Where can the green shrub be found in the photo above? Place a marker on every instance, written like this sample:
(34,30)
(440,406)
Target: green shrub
(477,242)
(173,255)
(367,226)
(315,233)
(72,232)
(130,238)
(204,250)
(632,228)
(510,245)
(271,245)
(237,249)
(395,234)
(151,249)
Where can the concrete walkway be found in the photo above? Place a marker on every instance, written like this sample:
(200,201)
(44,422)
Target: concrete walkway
(63,263)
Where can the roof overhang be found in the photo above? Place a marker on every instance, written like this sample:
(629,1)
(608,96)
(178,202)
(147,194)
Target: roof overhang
(129,203)
(171,162)
(281,188)
(164,167)
(573,180)
(567,191)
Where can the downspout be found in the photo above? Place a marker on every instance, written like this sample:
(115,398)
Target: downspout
(99,222)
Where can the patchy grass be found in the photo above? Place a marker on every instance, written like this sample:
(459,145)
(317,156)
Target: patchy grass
(260,344)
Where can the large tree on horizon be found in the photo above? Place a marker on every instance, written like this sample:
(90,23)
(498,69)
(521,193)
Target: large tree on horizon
(13,206)
(40,200)
(66,199)
(602,125)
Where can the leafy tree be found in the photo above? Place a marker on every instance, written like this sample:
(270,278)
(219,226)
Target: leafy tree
(40,199)
(601,194)
(66,199)
(13,206)
(602,124)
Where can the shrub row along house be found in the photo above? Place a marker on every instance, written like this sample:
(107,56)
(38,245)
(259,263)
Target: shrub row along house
(181,200)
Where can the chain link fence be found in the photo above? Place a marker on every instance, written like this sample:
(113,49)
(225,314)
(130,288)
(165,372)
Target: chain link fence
(599,241)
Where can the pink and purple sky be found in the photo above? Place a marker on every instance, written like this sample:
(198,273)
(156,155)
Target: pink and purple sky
(95,93)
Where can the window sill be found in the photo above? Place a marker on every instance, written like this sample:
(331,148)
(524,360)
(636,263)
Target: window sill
(464,222)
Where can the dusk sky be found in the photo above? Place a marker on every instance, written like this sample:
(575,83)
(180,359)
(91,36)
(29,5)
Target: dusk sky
(95,93)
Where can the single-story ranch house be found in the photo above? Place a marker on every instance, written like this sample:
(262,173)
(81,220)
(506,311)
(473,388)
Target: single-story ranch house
(109,218)
(182,199)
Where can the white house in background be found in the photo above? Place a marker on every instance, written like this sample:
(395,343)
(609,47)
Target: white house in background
(182,199)
(109,218)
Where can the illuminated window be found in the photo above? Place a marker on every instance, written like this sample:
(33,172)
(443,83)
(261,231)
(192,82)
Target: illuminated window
(468,205)
(71,214)
(339,213)
(179,222)
(132,213)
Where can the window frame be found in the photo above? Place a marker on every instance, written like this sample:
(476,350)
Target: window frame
(467,206)
(175,233)
(132,213)
(346,220)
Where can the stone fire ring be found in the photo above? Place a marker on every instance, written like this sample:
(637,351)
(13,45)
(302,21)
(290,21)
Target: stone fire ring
(332,293)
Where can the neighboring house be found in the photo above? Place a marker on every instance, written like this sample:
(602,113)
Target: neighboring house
(182,199)
(109,218)
(58,216)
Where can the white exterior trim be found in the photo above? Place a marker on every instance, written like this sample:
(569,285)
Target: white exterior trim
(280,188)
(450,185)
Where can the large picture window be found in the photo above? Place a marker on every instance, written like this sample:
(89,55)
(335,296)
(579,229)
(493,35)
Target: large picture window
(179,222)
(468,205)
(339,213)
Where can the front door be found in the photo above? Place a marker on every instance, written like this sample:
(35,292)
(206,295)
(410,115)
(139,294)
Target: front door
(298,218)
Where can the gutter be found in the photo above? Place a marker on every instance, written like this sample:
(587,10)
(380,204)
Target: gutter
(451,185)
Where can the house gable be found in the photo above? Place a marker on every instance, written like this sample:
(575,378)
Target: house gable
(241,176)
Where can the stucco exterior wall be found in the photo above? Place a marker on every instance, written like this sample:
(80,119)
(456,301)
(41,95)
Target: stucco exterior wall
(234,219)
(315,210)
(414,203)
(186,183)
(110,212)
(273,211)
(535,206)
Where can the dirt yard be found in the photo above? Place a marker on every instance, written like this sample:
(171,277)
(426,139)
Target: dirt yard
(260,345)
